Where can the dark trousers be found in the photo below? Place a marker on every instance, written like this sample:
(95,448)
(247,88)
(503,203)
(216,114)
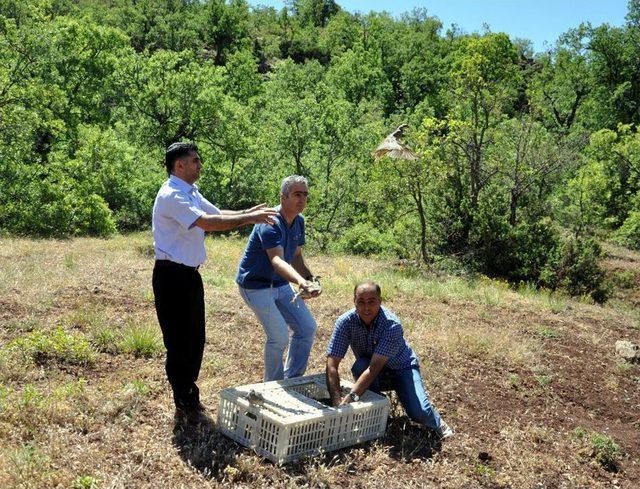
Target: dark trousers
(179,299)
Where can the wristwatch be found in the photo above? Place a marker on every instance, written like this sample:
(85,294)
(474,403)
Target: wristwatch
(354,397)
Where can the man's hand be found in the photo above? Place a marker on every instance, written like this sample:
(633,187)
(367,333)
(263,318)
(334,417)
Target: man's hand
(346,400)
(309,289)
(260,214)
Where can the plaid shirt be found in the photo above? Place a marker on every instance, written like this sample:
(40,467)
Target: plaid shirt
(383,337)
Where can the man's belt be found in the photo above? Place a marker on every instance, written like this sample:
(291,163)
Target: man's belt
(173,264)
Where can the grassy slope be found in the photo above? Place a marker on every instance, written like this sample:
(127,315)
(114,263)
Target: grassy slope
(530,381)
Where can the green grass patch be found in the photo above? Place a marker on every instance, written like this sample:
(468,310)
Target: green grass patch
(86,318)
(30,467)
(513,381)
(85,482)
(106,339)
(146,250)
(4,394)
(544,380)
(141,341)
(137,387)
(548,300)
(71,390)
(70,262)
(623,366)
(31,398)
(218,280)
(23,326)
(44,347)
(546,332)
(12,367)
(483,470)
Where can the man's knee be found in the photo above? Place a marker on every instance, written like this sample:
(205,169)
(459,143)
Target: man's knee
(311,328)
(360,365)
(278,342)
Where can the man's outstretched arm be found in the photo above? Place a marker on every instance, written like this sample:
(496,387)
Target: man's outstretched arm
(333,380)
(226,221)
(368,376)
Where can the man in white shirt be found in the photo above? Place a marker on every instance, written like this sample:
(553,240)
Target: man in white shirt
(181,215)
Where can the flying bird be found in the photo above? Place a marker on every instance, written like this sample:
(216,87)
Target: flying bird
(392,147)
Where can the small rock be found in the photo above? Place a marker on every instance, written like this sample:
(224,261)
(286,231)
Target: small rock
(628,351)
(484,456)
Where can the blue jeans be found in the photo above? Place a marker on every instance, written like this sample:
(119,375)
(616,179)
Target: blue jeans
(277,314)
(408,386)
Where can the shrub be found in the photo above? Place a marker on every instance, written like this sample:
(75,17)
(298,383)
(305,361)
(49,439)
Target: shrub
(605,451)
(518,253)
(364,239)
(629,233)
(625,279)
(58,207)
(55,346)
(575,268)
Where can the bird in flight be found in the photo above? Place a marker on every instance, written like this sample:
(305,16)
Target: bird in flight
(393,147)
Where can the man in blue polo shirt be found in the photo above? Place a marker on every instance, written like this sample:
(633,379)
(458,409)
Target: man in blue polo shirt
(271,261)
(384,360)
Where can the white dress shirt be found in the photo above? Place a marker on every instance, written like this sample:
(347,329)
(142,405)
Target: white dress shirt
(175,237)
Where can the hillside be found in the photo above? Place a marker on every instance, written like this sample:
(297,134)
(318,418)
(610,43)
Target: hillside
(530,381)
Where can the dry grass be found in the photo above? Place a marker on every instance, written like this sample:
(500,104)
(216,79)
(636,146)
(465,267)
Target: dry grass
(515,372)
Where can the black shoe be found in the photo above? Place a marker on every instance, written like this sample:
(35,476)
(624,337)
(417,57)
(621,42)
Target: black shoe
(201,408)
(193,416)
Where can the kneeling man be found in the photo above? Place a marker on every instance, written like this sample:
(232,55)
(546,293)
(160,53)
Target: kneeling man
(384,360)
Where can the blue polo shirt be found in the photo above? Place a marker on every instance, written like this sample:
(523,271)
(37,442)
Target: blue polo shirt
(384,337)
(255,270)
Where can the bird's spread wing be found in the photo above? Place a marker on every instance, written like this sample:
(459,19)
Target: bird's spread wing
(393,148)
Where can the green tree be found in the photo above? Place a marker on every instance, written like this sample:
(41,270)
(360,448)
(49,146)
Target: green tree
(226,28)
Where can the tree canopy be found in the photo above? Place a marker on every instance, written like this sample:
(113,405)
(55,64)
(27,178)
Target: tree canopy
(524,157)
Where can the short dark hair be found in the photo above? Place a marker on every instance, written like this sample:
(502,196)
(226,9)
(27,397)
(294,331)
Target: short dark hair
(176,151)
(368,283)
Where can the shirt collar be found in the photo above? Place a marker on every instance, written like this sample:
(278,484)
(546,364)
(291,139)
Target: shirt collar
(180,184)
(282,219)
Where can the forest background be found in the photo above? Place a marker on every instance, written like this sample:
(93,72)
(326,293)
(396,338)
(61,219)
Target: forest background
(528,161)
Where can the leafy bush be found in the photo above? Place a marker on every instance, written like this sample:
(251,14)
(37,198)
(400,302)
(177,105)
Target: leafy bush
(575,268)
(364,239)
(55,346)
(518,253)
(629,233)
(625,279)
(56,208)
(605,451)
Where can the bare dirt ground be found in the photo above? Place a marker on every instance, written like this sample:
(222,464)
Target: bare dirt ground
(530,381)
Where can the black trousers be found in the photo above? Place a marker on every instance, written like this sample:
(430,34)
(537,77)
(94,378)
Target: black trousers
(179,300)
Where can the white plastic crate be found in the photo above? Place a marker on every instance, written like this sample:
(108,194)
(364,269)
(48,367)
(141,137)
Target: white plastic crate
(284,420)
